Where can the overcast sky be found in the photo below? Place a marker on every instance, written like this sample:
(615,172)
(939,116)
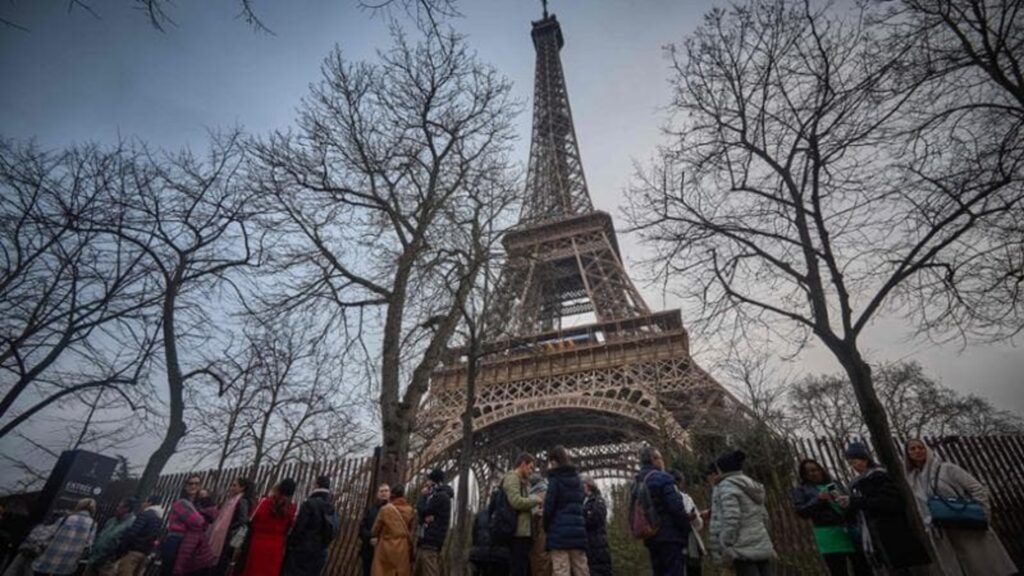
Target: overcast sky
(75,77)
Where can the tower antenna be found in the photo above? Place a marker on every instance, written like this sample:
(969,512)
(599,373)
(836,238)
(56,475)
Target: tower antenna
(545,5)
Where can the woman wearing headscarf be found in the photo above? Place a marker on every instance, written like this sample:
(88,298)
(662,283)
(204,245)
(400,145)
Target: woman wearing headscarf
(233,516)
(270,523)
(595,515)
(540,558)
(959,551)
(888,539)
(816,498)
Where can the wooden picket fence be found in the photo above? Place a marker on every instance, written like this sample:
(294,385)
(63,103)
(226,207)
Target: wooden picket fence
(998,461)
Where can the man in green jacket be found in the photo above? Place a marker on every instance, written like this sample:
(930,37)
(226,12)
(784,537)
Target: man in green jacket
(103,554)
(516,486)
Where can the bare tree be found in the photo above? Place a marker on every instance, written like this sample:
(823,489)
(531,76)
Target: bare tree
(283,401)
(71,299)
(916,405)
(189,218)
(823,184)
(365,200)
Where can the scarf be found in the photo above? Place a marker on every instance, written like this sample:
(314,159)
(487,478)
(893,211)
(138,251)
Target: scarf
(922,481)
(219,531)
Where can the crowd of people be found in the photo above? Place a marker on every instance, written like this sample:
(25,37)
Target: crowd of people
(191,537)
(553,524)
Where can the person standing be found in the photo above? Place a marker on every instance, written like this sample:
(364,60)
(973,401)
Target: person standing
(564,526)
(32,547)
(595,516)
(515,488)
(959,551)
(314,530)
(189,519)
(665,547)
(137,541)
(102,559)
(486,558)
(434,510)
(540,558)
(816,498)
(74,534)
(693,552)
(366,527)
(232,517)
(392,535)
(888,538)
(179,511)
(269,526)
(739,521)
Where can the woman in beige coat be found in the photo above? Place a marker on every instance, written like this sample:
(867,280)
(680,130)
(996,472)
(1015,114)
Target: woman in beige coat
(960,552)
(392,537)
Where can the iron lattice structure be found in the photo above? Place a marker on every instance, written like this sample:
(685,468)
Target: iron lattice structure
(578,358)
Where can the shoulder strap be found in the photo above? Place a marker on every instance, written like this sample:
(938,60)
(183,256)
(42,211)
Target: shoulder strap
(401,520)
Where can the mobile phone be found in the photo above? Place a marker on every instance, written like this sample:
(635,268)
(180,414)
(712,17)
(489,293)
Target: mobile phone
(831,487)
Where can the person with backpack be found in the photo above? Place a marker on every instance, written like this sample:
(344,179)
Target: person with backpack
(314,530)
(140,538)
(511,515)
(434,510)
(486,560)
(738,530)
(657,514)
(564,526)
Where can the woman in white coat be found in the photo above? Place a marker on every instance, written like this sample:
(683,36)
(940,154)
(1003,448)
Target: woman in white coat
(960,552)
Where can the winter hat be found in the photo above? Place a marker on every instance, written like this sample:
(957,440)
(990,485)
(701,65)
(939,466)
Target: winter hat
(730,461)
(857,450)
(436,476)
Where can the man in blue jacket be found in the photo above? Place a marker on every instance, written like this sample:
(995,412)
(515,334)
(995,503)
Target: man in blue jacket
(666,546)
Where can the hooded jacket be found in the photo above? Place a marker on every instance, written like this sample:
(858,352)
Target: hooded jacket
(739,520)
(439,505)
(668,503)
(564,526)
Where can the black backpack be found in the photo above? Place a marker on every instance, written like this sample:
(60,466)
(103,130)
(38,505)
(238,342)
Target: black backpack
(503,518)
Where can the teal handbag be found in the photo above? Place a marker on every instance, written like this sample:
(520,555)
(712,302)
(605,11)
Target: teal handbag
(961,512)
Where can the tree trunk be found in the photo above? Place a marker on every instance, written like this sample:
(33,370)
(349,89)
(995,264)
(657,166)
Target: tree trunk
(175,389)
(859,373)
(459,549)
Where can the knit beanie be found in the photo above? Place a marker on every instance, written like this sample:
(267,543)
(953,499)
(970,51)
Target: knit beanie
(857,450)
(436,476)
(731,461)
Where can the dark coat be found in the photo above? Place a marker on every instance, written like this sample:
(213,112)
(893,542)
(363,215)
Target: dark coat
(564,526)
(307,548)
(140,536)
(877,497)
(366,530)
(595,514)
(483,553)
(439,505)
(675,523)
(807,504)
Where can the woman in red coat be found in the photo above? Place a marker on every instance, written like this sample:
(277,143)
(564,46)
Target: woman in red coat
(268,531)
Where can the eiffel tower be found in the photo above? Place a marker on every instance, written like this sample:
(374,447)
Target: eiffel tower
(579,358)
